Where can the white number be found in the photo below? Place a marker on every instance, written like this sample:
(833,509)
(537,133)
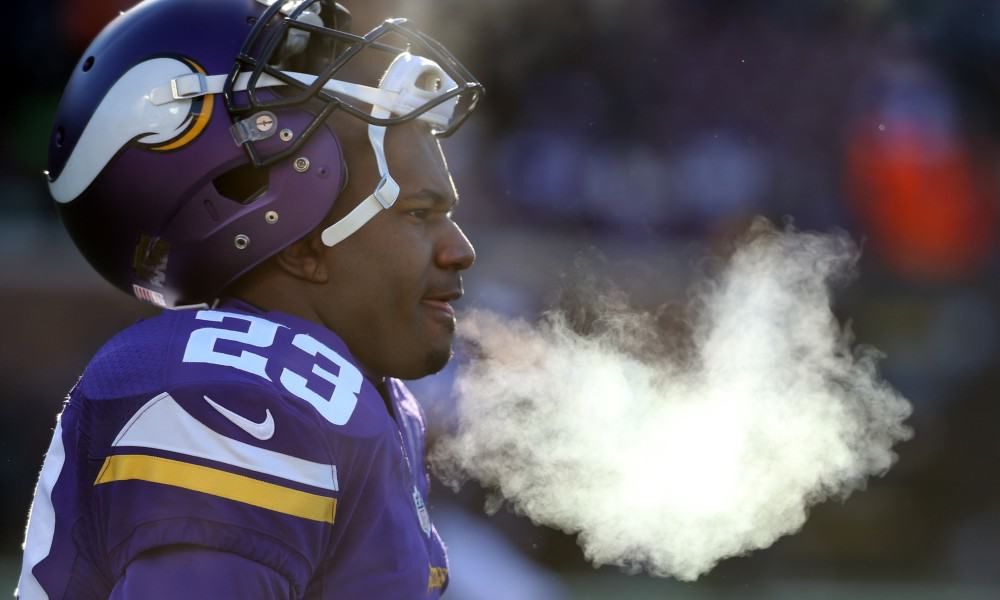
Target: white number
(347,383)
(337,409)
(201,345)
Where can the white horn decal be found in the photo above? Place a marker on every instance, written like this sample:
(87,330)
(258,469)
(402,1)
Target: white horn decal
(127,113)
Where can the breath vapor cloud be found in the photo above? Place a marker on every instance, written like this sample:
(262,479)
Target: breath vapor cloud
(668,461)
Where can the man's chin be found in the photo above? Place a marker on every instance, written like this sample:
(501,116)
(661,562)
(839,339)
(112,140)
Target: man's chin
(436,360)
(436,352)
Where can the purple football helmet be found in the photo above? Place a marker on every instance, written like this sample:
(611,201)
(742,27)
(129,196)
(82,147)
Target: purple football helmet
(192,141)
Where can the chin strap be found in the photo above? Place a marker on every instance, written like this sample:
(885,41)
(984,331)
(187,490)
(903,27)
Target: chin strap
(384,196)
(401,80)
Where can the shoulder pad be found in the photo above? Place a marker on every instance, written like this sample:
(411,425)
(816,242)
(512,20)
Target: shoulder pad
(131,363)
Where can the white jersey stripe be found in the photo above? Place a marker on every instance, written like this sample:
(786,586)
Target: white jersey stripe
(41,520)
(162,424)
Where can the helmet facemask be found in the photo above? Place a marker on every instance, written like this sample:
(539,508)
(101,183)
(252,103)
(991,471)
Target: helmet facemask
(421,81)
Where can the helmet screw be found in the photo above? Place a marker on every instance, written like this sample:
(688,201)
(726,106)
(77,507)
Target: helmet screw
(271,217)
(286,135)
(301,164)
(264,122)
(241,242)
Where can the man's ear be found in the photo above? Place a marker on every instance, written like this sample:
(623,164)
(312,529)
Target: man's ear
(303,259)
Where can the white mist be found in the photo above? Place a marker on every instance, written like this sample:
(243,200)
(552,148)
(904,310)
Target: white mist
(670,461)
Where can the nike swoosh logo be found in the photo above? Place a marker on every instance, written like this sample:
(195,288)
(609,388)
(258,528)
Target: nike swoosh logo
(262,431)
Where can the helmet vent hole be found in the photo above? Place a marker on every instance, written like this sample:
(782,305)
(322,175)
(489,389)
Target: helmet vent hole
(243,184)
(60,136)
(88,64)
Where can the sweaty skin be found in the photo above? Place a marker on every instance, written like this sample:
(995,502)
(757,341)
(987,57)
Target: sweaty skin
(385,290)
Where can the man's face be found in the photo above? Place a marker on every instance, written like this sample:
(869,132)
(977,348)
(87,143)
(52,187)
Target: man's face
(390,283)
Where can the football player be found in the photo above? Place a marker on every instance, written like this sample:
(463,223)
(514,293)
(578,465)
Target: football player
(216,158)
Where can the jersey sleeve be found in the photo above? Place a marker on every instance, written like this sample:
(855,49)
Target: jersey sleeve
(227,467)
(194,572)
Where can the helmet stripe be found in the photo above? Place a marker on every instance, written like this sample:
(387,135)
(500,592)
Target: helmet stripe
(201,108)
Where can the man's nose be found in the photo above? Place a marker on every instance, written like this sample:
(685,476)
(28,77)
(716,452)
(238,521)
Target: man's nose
(455,251)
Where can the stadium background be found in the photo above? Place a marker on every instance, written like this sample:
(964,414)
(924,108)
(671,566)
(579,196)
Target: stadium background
(642,135)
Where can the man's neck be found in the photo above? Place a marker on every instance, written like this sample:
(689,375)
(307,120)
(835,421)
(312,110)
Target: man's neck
(291,298)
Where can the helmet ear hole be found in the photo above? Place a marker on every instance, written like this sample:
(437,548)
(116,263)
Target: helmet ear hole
(243,184)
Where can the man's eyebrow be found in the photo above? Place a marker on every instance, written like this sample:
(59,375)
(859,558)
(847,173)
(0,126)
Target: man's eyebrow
(440,201)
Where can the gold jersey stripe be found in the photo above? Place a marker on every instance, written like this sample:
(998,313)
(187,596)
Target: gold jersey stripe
(123,467)
(437,578)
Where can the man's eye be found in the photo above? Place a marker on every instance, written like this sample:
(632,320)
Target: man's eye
(420,213)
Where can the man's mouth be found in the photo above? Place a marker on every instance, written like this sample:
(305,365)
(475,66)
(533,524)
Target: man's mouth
(441,302)
(441,307)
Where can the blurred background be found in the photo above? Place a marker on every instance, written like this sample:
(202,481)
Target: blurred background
(640,136)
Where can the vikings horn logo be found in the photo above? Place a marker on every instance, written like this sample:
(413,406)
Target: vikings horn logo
(199,112)
(144,107)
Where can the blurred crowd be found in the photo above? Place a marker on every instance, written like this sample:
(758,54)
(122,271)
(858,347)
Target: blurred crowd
(652,130)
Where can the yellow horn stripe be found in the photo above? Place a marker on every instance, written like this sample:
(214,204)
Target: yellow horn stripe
(219,483)
(200,122)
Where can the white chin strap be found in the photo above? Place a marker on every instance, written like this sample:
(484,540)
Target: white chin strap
(384,196)
(406,80)
(408,83)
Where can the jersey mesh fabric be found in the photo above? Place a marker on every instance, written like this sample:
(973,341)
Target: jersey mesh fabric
(132,363)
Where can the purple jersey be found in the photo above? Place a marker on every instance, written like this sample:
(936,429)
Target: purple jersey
(236,432)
